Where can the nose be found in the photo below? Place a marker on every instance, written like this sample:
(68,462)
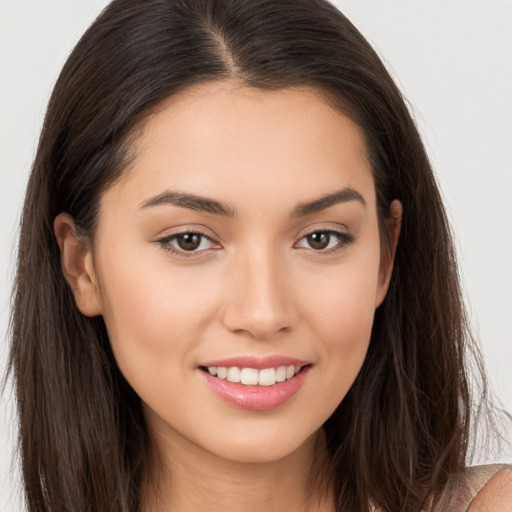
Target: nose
(257,302)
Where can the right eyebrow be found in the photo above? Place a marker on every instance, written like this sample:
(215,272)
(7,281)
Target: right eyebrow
(190,201)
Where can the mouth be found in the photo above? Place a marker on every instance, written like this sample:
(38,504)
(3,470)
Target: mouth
(254,377)
(255,384)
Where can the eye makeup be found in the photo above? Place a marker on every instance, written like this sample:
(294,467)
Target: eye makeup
(188,243)
(325,240)
(191,243)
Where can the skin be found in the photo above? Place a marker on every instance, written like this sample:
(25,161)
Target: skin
(257,288)
(496,495)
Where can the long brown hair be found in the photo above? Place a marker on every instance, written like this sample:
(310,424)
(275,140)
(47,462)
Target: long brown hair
(403,429)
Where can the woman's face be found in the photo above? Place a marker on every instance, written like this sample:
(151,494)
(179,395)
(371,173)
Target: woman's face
(243,235)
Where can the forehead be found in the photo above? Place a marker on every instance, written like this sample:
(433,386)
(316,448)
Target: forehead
(227,140)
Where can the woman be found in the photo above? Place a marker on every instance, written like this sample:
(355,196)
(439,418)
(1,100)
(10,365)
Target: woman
(228,289)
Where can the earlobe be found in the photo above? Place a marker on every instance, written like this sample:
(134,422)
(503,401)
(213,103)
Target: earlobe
(77,265)
(387,261)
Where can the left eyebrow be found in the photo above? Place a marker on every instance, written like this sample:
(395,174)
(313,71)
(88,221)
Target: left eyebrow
(341,196)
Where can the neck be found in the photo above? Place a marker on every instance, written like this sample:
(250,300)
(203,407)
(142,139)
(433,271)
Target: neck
(187,479)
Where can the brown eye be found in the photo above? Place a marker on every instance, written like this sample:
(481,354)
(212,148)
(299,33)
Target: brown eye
(188,241)
(325,241)
(319,240)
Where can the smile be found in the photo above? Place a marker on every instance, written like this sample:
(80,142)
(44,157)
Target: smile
(255,384)
(253,376)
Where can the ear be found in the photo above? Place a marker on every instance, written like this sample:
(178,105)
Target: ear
(77,265)
(394,223)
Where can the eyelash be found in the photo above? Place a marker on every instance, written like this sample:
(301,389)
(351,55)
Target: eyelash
(344,239)
(165,243)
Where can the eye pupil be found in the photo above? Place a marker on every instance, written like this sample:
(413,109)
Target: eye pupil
(318,240)
(189,241)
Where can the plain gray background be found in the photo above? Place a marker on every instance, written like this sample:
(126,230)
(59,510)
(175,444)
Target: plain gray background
(451,58)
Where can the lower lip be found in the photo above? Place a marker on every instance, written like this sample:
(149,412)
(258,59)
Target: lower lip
(255,398)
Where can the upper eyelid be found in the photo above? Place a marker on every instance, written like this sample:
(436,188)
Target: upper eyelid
(173,236)
(340,233)
(187,230)
(213,238)
(325,230)
(342,230)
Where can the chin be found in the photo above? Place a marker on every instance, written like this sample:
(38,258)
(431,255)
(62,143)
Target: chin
(263,447)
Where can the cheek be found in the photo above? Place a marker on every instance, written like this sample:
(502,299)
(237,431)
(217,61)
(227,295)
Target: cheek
(340,308)
(344,325)
(341,301)
(154,312)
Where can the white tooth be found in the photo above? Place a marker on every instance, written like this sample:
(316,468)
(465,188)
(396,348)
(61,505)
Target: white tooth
(297,370)
(222,372)
(281,374)
(249,376)
(212,370)
(290,371)
(233,374)
(267,377)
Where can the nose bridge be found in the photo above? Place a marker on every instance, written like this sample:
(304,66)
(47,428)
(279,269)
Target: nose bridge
(257,301)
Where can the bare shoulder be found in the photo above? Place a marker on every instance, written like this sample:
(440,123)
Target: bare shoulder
(495,495)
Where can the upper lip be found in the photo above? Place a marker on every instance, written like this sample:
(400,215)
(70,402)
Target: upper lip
(258,363)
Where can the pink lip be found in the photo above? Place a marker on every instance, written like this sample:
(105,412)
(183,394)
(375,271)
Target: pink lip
(257,363)
(255,398)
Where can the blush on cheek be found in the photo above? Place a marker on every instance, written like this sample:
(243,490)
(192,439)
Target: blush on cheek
(150,319)
(346,330)
(349,306)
